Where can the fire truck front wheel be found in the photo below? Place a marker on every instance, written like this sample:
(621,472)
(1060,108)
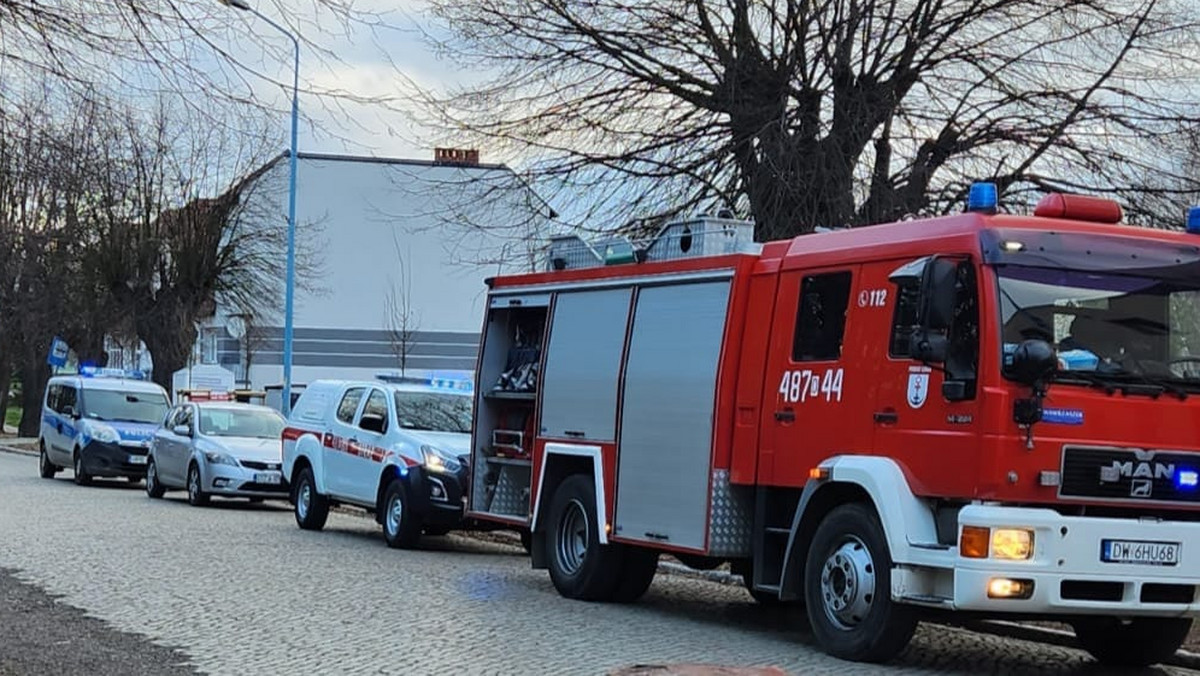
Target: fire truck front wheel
(580,567)
(1139,642)
(847,585)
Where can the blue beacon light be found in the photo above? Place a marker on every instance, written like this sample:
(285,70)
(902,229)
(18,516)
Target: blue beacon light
(983,197)
(1187,479)
(1193,221)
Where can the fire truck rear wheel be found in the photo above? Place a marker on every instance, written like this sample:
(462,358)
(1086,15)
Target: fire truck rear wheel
(1137,643)
(580,567)
(312,508)
(401,526)
(847,583)
(637,572)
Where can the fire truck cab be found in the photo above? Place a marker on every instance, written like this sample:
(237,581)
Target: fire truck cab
(980,413)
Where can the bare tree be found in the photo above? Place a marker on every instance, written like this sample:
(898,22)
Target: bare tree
(828,113)
(401,317)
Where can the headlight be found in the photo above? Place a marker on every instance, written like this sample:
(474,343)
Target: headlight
(218,458)
(1015,544)
(102,432)
(437,460)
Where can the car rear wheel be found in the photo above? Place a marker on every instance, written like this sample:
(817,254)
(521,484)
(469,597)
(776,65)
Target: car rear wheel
(196,495)
(154,489)
(46,468)
(401,527)
(312,508)
(82,478)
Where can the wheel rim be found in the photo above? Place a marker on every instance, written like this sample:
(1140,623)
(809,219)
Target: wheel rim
(572,538)
(78,465)
(150,478)
(303,499)
(45,461)
(395,514)
(193,484)
(848,583)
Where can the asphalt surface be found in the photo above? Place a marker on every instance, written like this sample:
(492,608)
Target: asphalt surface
(39,635)
(240,589)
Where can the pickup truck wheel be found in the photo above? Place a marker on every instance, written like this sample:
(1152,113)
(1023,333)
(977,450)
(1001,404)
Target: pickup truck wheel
(46,468)
(580,567)
(1137,643)
(153,488)
(82,478)
(847,589)
(401,527)
(196,495)
(312,508)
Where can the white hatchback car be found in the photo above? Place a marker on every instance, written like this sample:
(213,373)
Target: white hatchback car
(218,448)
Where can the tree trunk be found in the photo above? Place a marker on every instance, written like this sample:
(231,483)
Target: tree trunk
(6,373)
(168,354)
(34,374)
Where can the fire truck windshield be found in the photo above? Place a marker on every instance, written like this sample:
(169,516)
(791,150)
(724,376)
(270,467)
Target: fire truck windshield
(1105,324)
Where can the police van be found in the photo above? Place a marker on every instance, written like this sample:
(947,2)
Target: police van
(100,423)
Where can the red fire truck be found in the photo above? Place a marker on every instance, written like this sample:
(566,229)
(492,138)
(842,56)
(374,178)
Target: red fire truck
(983,413)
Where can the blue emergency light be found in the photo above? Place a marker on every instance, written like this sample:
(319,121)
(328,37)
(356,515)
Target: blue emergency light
(1187,479)
(1193,221)
(982,197)
(93,371)
(451,382)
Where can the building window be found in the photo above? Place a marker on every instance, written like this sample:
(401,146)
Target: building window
(821,318)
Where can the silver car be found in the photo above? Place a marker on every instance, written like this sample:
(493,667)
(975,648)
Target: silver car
(218,449)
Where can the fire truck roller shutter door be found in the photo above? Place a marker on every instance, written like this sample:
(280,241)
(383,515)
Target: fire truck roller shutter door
(665,450)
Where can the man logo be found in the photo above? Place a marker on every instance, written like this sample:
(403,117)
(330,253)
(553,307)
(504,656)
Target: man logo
(1140,488)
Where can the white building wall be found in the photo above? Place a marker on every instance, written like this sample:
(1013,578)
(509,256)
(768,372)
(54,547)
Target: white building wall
(429,234)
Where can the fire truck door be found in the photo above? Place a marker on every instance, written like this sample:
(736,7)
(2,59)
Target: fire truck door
(810,393)
(925,414)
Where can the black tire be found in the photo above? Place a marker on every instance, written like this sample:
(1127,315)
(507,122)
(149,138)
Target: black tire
(401,526)
(46,469)
(1137,643)
(526,541)
(580,567)
(154,489)
(847,589)
(311,508)
(637,572)
(195,492)
(82,478)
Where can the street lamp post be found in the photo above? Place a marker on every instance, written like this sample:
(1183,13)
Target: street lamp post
(290,285)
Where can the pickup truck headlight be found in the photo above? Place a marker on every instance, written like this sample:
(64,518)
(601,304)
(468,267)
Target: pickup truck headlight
(219,458)
(437,460)
(103,433)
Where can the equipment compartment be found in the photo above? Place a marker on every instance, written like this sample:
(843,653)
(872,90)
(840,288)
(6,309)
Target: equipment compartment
(506,405)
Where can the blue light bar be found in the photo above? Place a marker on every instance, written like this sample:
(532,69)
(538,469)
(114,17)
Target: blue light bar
(451,381)
(1187,479)
(982,197)
(1193,221)
(91,371)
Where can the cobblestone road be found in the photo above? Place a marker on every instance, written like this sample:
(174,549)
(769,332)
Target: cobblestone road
(242,590)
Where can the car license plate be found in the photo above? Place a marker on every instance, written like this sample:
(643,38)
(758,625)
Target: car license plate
(268,478)
(137,459)
(1140,552)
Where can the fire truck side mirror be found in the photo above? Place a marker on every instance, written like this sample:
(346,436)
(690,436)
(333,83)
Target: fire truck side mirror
(1033,362)
(939,291)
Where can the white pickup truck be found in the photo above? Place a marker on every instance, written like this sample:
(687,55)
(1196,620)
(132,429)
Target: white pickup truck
(398,450)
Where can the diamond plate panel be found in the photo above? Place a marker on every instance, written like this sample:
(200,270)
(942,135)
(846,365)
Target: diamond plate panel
(512,492)
(731,520)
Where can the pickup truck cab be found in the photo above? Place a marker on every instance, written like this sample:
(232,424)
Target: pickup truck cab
(396,449)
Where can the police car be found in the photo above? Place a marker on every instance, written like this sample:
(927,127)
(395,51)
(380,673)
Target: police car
(100,423)
(396,449)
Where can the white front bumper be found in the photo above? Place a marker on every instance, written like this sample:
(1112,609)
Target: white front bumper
(1066,564)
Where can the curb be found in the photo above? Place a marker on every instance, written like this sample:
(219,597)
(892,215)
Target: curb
(17,451)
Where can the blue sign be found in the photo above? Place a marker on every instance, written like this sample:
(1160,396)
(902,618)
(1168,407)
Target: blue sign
(58,353)
(1063,416)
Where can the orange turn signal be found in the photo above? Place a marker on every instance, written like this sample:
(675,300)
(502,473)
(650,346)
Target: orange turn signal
(818,473)
(973,543)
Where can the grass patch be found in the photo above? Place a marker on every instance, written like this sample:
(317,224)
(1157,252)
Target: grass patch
(12,417)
